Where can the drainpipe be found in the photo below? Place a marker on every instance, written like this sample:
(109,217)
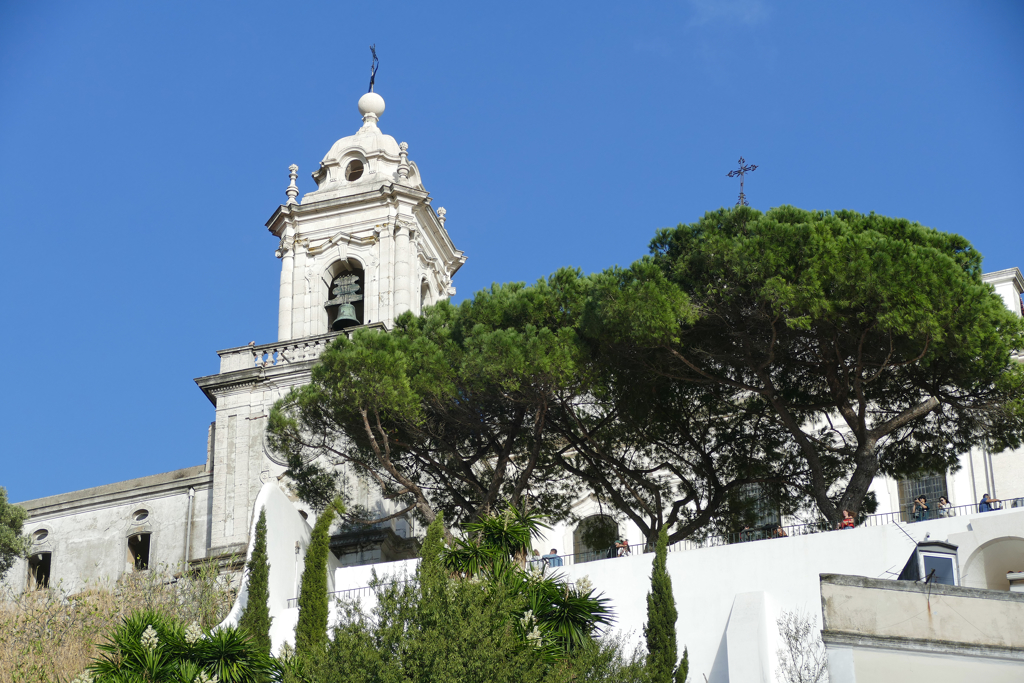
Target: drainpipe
(188,527)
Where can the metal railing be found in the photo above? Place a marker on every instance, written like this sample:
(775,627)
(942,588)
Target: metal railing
(352,593)
(770,532)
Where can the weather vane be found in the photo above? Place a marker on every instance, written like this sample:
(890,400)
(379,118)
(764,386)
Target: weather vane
(373,65)
(740,172)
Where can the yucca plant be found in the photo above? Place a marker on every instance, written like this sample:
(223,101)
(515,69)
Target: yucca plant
(233,657)
(150,647)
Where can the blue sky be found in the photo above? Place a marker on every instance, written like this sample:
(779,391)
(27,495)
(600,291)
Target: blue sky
(144,145)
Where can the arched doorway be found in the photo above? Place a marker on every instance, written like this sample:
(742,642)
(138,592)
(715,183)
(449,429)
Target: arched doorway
(594,538)
(987,566)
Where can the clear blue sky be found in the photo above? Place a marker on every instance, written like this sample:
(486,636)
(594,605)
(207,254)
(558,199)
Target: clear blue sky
(143,145)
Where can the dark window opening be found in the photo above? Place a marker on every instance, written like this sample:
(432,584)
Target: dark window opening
(595,538)
(932,487)
(38,571)
(138,551)
(354,170)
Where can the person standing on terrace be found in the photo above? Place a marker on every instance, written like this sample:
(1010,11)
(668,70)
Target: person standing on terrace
(552,558)
(986,504)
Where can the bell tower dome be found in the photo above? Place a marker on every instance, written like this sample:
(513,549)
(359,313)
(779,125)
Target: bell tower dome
(365,246)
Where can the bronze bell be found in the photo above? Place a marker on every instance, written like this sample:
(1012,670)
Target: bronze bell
(346,290)
(346,318)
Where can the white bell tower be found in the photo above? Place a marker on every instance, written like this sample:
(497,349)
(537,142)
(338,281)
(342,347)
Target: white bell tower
(368,224)
(370,217)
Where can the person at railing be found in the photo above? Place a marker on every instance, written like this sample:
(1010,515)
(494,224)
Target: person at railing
(622,547)
(986,504)
(945,507)
(552,559)
(536,561)
(847,522)
(920,511)
(779,532)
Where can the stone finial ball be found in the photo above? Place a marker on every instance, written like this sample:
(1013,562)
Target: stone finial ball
(371,103)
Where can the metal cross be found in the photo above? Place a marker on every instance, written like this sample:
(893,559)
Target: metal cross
(740,172)
(373,65)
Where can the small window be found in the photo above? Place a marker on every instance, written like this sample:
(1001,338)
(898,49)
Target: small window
(942,565)
(303,514)
(354,170)
(140,515)
(38,571)
(138,551)
(40,535)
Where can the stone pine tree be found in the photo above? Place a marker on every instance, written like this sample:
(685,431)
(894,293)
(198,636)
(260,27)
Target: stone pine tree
(660,630)
(311,630)
(256,617)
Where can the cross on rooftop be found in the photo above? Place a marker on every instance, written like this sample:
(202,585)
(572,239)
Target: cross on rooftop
(741,171)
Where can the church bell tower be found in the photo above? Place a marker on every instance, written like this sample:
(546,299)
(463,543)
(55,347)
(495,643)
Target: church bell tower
(360,250)
(366,245)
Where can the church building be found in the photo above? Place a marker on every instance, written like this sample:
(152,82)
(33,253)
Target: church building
(364,247)
(938,597)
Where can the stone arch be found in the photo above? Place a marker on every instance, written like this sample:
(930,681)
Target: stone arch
(594,538)
(988,564)
(328,314)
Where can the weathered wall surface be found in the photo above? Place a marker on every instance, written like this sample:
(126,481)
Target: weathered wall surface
(879,631)
(87,531)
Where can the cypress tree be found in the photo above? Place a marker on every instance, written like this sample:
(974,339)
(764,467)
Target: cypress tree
(256,617)
(311,630)
(431,572)
(660,630)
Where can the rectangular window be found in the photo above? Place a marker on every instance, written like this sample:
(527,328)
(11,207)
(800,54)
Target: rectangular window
(942,565)
(138,551)
(39,571)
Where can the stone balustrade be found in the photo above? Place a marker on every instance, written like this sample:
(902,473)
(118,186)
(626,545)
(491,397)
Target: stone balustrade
(270,355)
(282,353)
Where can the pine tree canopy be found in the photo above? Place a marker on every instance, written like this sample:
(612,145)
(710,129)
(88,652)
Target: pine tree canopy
(871,340)
(795,353)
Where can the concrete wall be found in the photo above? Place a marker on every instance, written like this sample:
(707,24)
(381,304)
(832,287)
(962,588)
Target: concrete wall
(878,631)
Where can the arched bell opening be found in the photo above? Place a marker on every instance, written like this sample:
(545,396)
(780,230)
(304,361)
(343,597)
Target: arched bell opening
(346,289)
